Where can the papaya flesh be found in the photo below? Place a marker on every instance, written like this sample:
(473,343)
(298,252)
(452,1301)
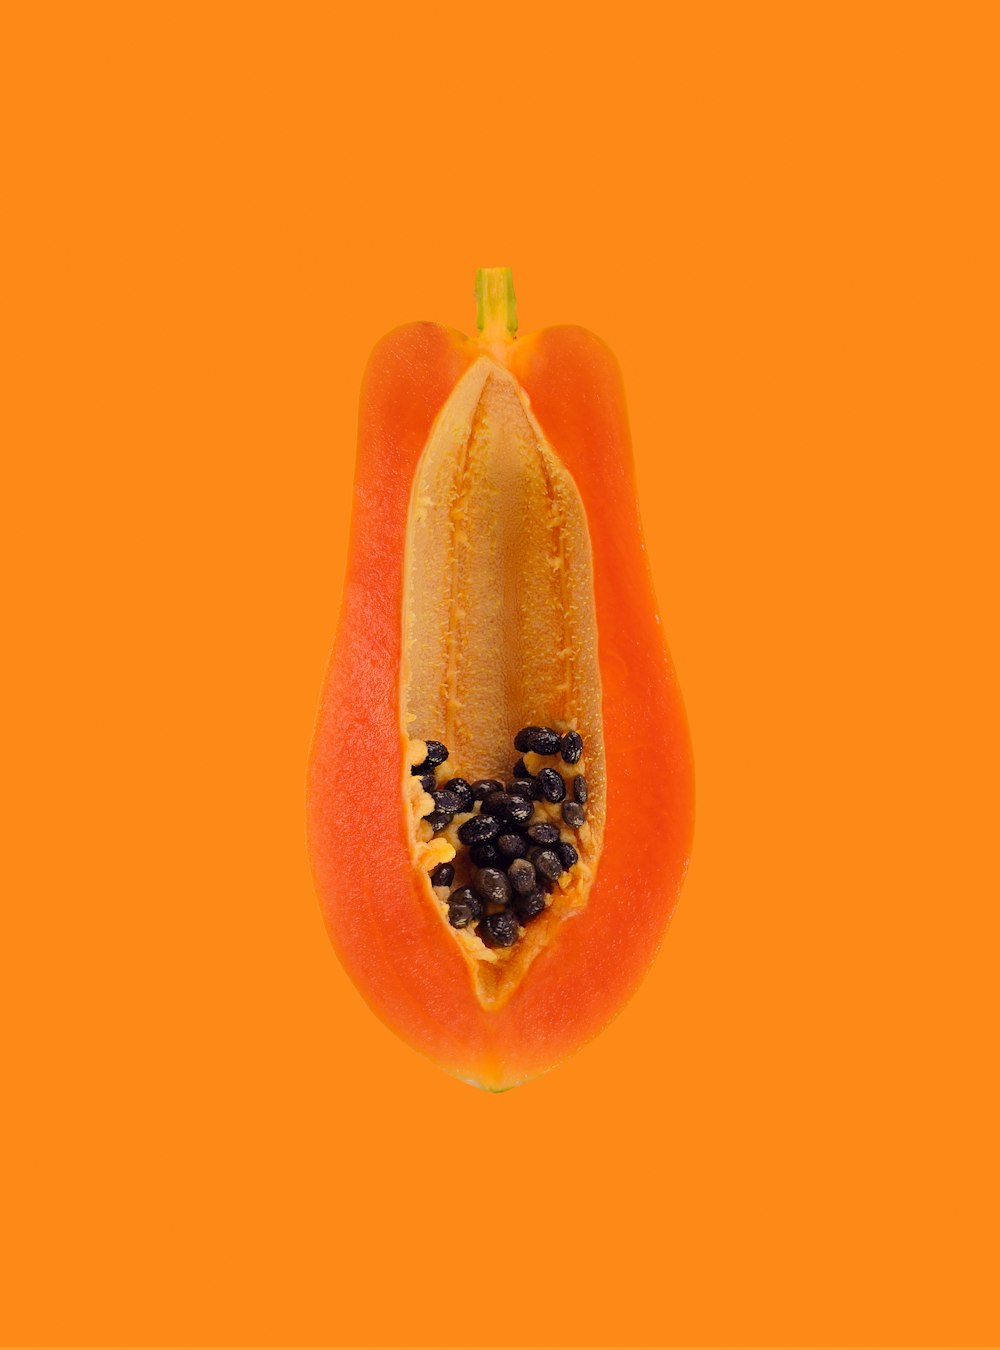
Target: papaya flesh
(497,591)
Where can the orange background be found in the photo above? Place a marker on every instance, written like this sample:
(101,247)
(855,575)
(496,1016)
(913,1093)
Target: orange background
(781,219)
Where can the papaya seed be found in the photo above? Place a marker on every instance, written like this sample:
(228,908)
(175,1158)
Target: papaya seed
(478,830)
(518,810)
(573,814)
(459,788)
(437,753)
(499,930)
(491,884)
(544,741)
(572,747)
(511,846)
(568,855)
(464,907)
(546,863)
(543,833)
(529,906)
(484,854)
(495,804)
(552,785)
(521,876)
(447,801)
(522,741)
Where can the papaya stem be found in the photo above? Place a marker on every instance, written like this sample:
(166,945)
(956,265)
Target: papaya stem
(496,305)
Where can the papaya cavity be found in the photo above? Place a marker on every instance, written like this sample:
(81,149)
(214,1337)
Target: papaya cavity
(499,636)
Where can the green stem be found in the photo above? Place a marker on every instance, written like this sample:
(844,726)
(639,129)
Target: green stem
(496,305)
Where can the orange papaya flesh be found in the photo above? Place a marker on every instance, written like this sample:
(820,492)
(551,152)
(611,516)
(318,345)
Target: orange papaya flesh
(497,581)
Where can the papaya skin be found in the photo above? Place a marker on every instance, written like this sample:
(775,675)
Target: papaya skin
(389,938)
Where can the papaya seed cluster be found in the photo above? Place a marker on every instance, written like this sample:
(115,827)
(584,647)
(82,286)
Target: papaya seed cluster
(517,853)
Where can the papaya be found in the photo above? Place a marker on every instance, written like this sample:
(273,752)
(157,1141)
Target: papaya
(500,788)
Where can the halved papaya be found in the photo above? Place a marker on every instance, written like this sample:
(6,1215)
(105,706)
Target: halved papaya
(500,795)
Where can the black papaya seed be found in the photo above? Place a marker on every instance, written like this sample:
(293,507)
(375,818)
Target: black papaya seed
(544,741)
(572,747)
(518,810)
(521,876)
(492,885)
(511,846)
(437,753)
(478,829)
(464,907)
(528,907)
(543,833)
(552,785)
(485,855)
(546,863)
(447,801)
(573,814)
(459,788)
(568,855)
(499,930)
(522,741)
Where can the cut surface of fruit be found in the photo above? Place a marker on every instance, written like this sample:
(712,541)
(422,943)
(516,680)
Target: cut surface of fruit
(500,633)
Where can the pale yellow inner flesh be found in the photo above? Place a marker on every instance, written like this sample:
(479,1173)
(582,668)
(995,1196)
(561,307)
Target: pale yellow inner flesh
(499,632)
